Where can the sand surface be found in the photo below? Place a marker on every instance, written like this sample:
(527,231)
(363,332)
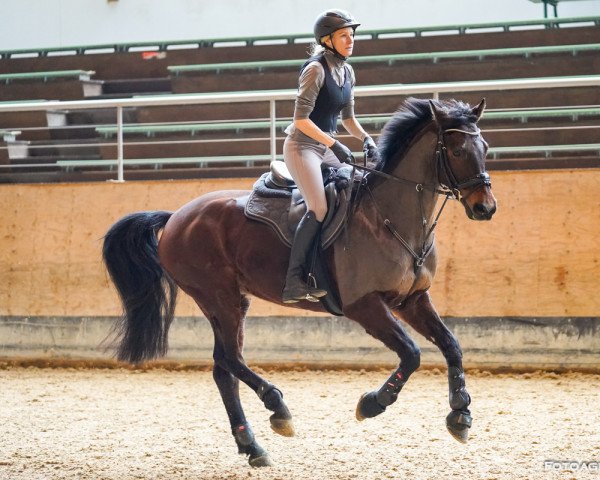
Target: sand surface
(160,424)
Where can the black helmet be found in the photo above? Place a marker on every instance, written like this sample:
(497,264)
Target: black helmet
(332,20)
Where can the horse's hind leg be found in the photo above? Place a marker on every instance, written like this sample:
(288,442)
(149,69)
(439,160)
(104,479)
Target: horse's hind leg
(269,394)
(420,314)
(226,315)
(240,428)
(372,313)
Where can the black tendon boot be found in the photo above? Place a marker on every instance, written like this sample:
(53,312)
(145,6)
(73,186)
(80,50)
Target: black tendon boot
(296,287)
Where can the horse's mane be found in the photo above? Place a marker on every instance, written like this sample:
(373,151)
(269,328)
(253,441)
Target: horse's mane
(410,119)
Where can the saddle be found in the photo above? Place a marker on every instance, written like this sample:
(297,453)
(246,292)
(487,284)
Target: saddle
(276,201)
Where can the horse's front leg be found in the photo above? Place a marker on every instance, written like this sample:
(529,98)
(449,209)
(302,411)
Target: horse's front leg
(374,315)
(421,315)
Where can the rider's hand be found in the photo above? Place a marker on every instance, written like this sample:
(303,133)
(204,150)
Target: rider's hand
(342,152)
(370,149)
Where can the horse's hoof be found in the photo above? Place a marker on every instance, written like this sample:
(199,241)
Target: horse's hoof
(283,426)
(359,416)
(458,424)
(368,407)
(262,460)
(462,435)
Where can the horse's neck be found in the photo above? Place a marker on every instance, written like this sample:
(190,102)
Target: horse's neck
(401,202)
(417,163)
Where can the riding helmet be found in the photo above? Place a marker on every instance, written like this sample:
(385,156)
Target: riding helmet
(332,20)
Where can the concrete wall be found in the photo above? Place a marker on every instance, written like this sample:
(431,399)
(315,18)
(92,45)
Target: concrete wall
(496,343)
(519,289)
(46,23)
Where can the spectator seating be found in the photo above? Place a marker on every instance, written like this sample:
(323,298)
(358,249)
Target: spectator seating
(398,68)
(56,84)
(233,138)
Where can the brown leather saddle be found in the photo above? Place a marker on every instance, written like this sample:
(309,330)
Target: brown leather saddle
(276,201)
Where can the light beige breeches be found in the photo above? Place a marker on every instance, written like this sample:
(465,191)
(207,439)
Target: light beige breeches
(303,159)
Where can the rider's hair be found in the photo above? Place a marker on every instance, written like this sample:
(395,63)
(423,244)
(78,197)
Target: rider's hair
(315,49)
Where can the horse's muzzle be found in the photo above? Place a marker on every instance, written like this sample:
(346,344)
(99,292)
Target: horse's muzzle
(482,211)
(481,205)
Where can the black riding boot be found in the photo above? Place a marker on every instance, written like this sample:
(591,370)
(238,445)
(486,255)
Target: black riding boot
(296,287)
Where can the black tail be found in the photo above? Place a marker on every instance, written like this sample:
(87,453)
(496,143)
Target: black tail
(148,294)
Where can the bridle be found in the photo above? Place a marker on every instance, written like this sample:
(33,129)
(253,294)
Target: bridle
(451,188)
(443,165)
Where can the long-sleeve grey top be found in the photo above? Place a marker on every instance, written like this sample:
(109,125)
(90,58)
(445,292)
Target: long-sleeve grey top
(312,79)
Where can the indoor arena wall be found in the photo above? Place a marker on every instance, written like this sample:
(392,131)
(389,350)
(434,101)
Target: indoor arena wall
(534,266)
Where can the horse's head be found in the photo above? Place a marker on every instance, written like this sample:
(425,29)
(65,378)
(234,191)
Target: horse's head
(460,153)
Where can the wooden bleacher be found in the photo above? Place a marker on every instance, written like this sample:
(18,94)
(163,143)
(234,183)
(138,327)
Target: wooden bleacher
(398,68)
(54,84)
(504,50)
(391,59)
(150,59)
(183,141)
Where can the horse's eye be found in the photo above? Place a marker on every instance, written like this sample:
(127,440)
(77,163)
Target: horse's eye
(458,152)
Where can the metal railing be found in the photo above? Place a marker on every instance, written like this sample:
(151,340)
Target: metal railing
(273,96)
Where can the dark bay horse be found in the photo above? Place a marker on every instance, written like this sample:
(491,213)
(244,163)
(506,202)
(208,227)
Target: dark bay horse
(381,270)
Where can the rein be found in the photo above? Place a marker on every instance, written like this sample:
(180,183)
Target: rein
(441,154)
(379,173)
(451,191)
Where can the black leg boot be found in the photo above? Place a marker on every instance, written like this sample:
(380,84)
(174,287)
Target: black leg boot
(296,287)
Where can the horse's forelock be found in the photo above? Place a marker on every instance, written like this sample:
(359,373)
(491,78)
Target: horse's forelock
(457,113)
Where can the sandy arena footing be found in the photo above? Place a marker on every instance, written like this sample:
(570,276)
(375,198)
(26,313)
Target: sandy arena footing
(158,424)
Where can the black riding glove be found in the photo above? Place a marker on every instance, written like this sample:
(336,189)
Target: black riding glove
(342,152)
(370,149)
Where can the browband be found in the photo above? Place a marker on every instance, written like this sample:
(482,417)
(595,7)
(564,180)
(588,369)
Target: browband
(462,131)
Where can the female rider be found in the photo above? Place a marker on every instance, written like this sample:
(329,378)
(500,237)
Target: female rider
(325,89)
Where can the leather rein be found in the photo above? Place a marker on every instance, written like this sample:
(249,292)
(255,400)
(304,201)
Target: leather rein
(451,191)
(442,162)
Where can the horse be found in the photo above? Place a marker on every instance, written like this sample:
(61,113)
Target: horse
(381,268)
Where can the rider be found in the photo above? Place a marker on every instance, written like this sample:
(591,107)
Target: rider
(325,89)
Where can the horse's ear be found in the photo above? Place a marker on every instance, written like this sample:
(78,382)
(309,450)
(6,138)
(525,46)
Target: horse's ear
(436,112)
(478,110)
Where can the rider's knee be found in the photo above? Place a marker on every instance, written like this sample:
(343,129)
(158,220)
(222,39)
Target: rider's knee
(320,212)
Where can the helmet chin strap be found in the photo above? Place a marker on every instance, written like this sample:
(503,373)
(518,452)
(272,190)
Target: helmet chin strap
(332,49)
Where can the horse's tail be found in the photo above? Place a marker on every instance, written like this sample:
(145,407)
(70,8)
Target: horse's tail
(147,292)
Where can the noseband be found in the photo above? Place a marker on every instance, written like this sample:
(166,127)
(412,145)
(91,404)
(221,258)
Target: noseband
(443,166)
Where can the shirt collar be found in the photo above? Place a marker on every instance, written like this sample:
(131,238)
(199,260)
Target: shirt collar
(333,61)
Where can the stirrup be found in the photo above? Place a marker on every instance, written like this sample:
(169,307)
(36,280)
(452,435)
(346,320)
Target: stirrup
(311,297)
(308,297)
(309,293)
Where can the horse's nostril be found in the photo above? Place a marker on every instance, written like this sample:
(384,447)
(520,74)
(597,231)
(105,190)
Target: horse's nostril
(482,210)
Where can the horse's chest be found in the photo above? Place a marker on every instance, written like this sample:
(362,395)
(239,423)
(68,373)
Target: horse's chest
(358,275)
